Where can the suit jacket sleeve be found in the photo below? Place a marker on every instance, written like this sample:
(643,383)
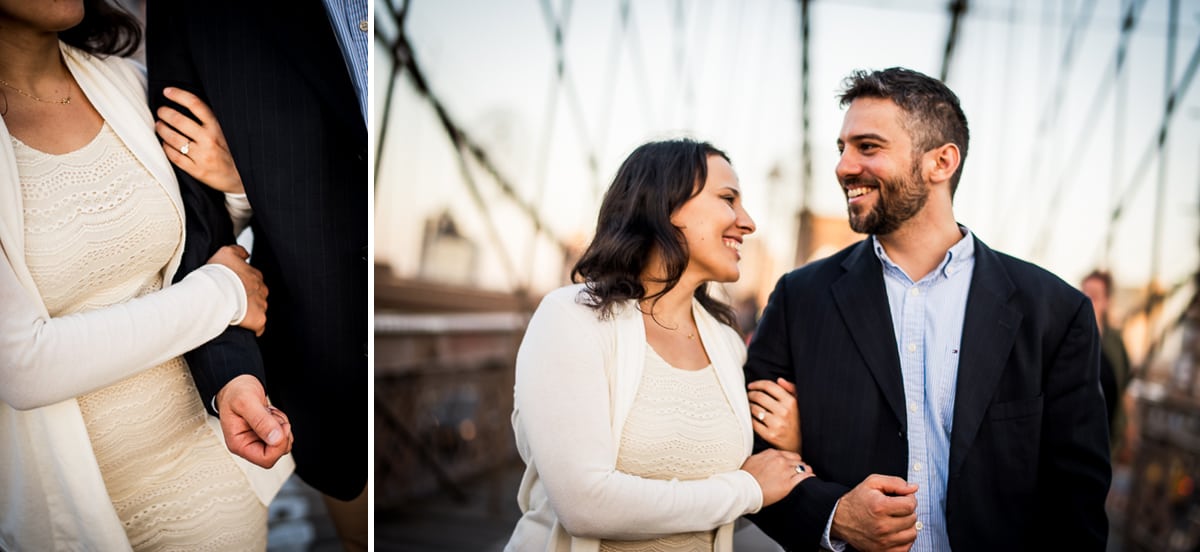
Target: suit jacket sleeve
(1075,457)
(798,521)
(169,61)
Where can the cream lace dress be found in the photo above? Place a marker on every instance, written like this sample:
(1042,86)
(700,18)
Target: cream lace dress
(680,427)
(99,230)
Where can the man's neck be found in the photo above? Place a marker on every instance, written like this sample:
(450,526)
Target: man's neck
(921,243)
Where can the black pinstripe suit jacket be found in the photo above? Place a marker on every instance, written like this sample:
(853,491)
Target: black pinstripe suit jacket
(274,76)
(1029,466)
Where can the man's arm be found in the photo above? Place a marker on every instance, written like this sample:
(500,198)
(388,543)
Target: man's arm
(234,353)
(1074,469)
(878,513)
(798,521)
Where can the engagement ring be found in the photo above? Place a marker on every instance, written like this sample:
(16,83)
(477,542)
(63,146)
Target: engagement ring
(184,149)
(762,414)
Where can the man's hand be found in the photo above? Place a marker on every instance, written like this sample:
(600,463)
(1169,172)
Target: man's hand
(253,429)
(878,514)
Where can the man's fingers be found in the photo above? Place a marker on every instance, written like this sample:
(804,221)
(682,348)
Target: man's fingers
(266,426)
(890,485)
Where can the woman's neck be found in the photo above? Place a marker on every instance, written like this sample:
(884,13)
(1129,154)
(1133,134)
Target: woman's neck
(673,308)
(29,58)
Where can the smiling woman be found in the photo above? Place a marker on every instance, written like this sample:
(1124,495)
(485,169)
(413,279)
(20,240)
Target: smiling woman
(638,361)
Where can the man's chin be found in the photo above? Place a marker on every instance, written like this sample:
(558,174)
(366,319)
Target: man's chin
(860,224)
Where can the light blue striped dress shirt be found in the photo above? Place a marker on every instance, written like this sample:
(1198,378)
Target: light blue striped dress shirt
(349,21)
(928,319)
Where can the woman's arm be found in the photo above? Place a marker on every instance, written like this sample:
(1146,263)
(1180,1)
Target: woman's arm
(563,424)
(44,360)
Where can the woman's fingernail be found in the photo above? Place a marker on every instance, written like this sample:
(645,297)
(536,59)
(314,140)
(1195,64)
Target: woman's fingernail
(168,91)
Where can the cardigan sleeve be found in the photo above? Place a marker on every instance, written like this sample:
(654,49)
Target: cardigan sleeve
(45,360)
(563,418)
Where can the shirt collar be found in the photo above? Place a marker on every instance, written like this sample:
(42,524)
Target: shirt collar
(959,255)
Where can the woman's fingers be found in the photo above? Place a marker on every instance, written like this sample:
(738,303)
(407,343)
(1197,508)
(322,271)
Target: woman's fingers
(776,391)
(182,123)
(170,137)
(193,103)
(763,401)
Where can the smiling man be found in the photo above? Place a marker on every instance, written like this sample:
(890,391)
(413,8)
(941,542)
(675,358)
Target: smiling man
(948,393)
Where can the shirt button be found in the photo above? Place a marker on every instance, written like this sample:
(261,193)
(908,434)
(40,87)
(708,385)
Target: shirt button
(917,466)
(949,270)
(362,25)
(912,407)
(912,347)
(919,526)
(914,292)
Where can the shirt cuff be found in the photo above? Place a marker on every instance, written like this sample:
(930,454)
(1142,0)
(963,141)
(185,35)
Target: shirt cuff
(828,542)
(238,206)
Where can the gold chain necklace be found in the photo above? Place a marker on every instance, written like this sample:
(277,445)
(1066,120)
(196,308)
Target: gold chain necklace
(62,101)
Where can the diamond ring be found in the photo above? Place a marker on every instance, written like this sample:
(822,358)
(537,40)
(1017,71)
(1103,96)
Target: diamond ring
(762,414)
(184,149)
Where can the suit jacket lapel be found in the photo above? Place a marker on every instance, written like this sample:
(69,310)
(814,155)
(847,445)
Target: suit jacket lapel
(863,302)
(989,329)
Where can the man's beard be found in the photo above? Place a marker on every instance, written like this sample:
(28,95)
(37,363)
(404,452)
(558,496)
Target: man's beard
(899,199)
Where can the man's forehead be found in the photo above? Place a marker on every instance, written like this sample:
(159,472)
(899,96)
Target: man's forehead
(875,116)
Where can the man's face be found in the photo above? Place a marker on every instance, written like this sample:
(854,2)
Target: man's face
(881,178)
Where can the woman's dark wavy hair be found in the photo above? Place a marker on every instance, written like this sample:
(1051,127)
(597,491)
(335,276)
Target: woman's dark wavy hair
(106,30)
(635,217)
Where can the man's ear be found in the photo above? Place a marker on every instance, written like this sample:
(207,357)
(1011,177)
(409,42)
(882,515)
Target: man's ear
(940,163)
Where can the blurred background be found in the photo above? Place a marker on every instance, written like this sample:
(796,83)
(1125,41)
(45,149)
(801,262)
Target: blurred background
(497,126)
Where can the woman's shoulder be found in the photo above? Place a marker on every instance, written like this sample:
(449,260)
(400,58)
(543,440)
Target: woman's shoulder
(571,299)
(573,304)
(127,71)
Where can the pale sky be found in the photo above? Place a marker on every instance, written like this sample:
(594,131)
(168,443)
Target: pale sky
(729,72)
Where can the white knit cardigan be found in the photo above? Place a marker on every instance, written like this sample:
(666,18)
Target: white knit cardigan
(576,380)
(52,496)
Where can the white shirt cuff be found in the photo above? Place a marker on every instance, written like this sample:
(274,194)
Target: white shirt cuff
(828,542)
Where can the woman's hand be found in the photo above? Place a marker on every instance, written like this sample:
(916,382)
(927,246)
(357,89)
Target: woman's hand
(775,413)
(197,148)
(234,257)
(777,473)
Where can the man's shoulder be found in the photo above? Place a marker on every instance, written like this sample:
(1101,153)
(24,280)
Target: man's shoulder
(822,269)
(1031,279)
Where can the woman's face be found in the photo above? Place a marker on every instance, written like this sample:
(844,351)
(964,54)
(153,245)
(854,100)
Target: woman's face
(714,223)
(40,15)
